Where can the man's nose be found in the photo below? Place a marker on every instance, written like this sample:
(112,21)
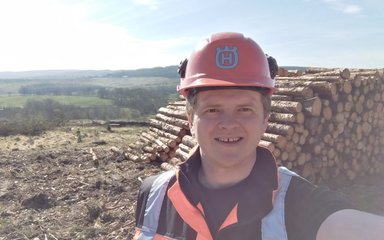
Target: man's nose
(228,121)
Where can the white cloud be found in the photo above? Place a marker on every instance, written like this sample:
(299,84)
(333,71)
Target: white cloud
(344,7)
(47,34)
(352,9)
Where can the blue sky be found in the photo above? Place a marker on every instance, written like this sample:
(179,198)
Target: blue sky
(131,34)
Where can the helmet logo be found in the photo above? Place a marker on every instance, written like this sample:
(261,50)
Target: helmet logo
(226,58)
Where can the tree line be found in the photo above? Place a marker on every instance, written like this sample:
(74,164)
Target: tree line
(144,100)
(39,116)
(58,89)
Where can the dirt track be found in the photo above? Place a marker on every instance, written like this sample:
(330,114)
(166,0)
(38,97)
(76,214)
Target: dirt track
(51,187)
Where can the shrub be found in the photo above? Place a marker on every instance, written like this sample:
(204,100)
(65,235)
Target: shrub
(34,125)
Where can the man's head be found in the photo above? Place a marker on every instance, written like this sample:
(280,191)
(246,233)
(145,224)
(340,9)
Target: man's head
(228,83)
(226,60)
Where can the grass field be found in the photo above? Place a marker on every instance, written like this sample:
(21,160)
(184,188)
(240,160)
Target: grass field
(19,101)
(12,86)
(134,82)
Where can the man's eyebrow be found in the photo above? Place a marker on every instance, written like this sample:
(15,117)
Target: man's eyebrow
(211,105)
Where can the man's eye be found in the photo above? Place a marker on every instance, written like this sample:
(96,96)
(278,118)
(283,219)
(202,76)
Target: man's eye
(245,109)
(212,110)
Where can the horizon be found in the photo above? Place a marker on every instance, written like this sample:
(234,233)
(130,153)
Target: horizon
(115,35)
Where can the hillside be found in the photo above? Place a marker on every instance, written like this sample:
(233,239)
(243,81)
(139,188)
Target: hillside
(54,187)
(81,181)
(58,80)
(167,72)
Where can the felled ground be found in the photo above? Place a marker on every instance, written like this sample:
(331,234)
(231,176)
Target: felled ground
(62,186)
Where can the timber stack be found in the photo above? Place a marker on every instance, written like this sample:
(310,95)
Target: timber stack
(323,123)
(163,137)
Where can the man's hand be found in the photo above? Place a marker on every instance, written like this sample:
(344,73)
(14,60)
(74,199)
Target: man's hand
(352,225)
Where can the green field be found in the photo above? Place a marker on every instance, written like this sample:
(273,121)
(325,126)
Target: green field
(12,86)
(19,101)
(134,82)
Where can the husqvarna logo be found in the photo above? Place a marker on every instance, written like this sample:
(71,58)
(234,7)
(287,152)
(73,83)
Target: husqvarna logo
(226,57)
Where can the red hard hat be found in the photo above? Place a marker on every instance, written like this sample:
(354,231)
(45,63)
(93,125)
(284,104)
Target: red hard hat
(227,59)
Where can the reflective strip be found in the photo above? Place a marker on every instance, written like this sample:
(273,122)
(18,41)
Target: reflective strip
(153,206)
(273,225)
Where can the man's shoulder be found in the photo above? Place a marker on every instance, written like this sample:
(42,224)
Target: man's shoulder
(157,180)
(285,171)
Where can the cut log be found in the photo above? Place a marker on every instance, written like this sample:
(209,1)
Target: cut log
(269,145)
(287,117)
(327,113)
(347,87)
(303,92)
(343,73)
(189,141)
(279,140)
(184,148)
(178,131)
(162,156)
(167,167)
(131,156)
(177,103)
(149,149)
(312,106)
(321,88)
(173,121)
(161,133)
(331,79)
(161,141)
(173,113)
(286,106)
(181,155)
(280,129)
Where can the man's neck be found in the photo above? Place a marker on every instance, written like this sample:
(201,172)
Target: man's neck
(213,177)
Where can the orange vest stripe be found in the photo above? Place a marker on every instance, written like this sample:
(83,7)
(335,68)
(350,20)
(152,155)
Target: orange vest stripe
(189,213)
(231,218)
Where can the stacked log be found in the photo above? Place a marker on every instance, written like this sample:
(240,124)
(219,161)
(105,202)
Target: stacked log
(164,134)
(317,148)
(338,140)
(323,123)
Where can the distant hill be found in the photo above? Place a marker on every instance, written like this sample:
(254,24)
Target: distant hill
(45,74)
(167,72)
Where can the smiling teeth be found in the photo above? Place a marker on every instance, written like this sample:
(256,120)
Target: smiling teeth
(228,139)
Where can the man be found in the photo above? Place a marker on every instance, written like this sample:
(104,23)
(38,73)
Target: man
(230,188)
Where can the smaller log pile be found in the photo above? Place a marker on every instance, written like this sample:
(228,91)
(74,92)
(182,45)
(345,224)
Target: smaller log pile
(323,123)
(164,135)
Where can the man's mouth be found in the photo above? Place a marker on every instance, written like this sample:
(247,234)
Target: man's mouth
(228,140)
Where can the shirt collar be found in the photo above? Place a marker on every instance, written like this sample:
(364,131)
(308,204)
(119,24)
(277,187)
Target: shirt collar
(260,184)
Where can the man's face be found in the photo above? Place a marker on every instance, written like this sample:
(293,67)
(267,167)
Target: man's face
(228,125)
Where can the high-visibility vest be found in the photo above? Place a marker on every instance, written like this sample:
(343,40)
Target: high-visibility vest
(272,225)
